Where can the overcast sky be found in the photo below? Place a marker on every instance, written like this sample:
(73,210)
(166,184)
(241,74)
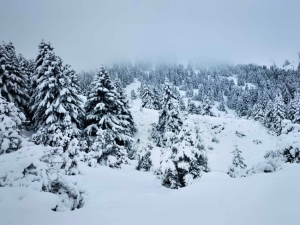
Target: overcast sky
(88,33)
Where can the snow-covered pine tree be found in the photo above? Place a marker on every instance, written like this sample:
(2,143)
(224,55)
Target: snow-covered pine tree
(279,112)
(108,120)
(13,81)
(268,115)
(11,118)
(147,97)
(170,116)
(144,158)
(191,107)
(221,105)
(181,161)
(206,106)
(238,166)
(56,106)
(133,95)
(157,98)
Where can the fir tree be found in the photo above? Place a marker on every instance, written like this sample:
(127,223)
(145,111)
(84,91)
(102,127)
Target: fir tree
(238,165)
(278,113)
(147,97)
(182,161)
(108,118)
(144,158)
(170,115)
(206,106)
(13,81)
(11,118)
(56,110)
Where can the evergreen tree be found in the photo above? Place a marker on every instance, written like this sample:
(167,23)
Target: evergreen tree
(108,119)
(147,97)
(13,81)
(170,115)
(238,165)
(221,106)
(144,160)
(206,106)
(56,109)
(11,118)
(278,113)
(191,107)
(157,99)
(181,161)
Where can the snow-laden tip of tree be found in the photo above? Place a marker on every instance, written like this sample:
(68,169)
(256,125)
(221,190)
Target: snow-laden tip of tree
(237,169)
(13,80)
(182,160)
(11,118)
(56,104)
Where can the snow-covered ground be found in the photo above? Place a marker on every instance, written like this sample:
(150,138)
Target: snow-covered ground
(127,196)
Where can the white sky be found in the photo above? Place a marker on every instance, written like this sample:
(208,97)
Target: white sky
(88,33)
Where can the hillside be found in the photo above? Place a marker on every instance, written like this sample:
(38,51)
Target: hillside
(128,196)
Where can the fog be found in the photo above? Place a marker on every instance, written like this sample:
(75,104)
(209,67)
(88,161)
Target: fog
(88,33)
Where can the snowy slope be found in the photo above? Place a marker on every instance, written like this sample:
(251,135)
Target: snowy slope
(132,197)
(128,196)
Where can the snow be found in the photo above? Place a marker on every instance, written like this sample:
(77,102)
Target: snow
(130,197)
(127,196)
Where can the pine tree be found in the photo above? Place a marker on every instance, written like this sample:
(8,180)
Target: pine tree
(279,112)
(11,118)
(170,115)
(182,161)
(191,107)
(156,99)
(221,106)
(56,105)
(108,119)
(144,158)
(206,106)
(238,165)
(147,97)
(13,81)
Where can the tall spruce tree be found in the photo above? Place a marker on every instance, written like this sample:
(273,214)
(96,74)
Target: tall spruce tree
(170,116)
(13,81)
(109,120)
(56,104)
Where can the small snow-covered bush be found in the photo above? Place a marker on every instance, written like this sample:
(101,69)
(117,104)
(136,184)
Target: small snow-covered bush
(39,168)
(144,160)
(10,120)
(273,162)
(71,195)
(215,139)
(105,151)
(291,154)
